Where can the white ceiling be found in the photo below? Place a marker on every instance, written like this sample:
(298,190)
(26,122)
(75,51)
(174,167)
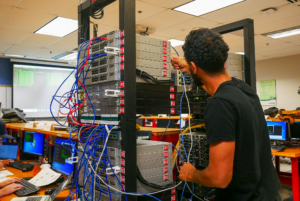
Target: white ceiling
(20,18)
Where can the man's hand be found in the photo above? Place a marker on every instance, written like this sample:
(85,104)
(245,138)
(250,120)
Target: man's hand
(10,189)
(186,172)
(180,64)
(6,162)
(9,181)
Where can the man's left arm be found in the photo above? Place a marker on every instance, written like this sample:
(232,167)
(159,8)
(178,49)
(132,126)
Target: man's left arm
(218,174)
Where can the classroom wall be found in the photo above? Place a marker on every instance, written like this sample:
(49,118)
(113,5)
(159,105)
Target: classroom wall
(286,72)
(5,82)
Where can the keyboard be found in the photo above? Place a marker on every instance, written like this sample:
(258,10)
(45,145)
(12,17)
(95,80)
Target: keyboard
(21,166)
(34,198)
(278,148)
(27,189)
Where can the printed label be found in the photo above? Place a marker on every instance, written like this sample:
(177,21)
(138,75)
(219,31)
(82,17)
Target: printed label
(123,154)
(165,58)
(173,198)
(121,66)
(122,93)
(122,41)
(166,147)
(173,191)
(122,170)
(172,110)
(166,154)
(165,44)
(166,177)
(122,102)
(165,66)
(164,73)
(122,84)
(122,162)
(166,169)
(172,89)
(166,161)
(122,58)
(122,110)
(123,187)
(165,51)
(172,96)
(122,33)
(123,179)
(122,50)
(172,103)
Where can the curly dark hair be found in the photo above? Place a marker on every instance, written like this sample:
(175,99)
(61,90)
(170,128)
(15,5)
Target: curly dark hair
(206,49)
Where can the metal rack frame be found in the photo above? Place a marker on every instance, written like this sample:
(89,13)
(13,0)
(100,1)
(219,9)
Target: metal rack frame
(248,26)
(128,118)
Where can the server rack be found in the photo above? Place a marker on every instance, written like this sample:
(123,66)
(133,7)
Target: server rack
(128,75)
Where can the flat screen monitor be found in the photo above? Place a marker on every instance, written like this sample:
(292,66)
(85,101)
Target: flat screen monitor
(277,130)
(9,151)
(295,129)
(62,151)
(34,143)
(34,86)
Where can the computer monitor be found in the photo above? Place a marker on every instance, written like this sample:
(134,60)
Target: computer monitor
(277,130)
(295,130)
(34,143)
(62,151)
(9,151)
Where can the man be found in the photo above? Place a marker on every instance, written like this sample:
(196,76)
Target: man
(240,162)
(9,185)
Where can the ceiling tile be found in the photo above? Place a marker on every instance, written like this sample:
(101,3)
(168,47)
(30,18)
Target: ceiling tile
(73,35)
(273,47)
(21,50)
(185,27)
(296,42)
(47,53)
(47,6)
(148,10)
(38,40)
(282,12)
(25,20)
(283,52)
(110,19)
(291,39)
(277,25)
(165,19)
(241,10)
(9,2)
(167,3)
(12,36)
(4,47)
(72,12)
(65,44)
(4,10)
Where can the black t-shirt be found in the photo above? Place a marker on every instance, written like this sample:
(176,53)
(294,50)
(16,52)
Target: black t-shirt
(235,114)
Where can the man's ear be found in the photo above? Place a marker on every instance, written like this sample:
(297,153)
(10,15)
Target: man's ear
(194,67)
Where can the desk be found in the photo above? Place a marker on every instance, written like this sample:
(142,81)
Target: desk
(18,173)
(165,118)
(21,126)
(288,178)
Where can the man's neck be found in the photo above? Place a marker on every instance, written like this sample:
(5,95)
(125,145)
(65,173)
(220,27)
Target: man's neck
(212,83)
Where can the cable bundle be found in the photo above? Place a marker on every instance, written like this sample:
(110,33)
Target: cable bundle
(96,12)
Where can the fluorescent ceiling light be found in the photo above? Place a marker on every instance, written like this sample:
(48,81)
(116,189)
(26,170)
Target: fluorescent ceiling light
(201,7)
(241,53)
(284,33)
(14,55)
(72,56)
(59,27)
(175,42)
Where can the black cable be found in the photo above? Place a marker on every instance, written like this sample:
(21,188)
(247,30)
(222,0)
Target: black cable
(151,185)
(96,12)
(145,75)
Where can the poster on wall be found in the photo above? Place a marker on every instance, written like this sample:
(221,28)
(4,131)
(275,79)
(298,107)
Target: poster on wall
(268,92)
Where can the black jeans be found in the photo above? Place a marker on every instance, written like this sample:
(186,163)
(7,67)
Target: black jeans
(278,197)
